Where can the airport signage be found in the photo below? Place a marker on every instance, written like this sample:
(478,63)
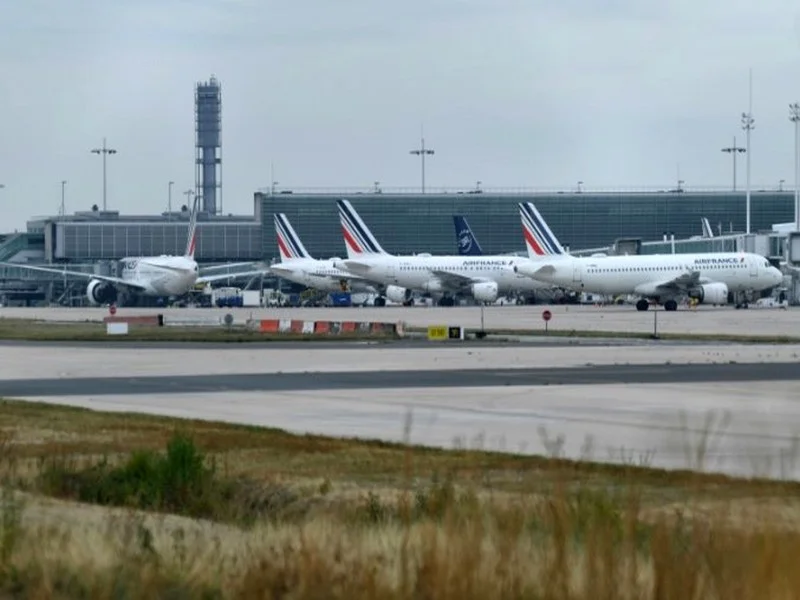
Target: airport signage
(547,315)
(443,332)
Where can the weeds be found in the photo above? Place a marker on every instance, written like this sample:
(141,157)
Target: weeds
(182,516)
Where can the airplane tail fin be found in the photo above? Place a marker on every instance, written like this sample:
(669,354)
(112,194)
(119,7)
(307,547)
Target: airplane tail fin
(358,239)
(539,239)
(467,242)
(289,243)
(191,239)
(707,231)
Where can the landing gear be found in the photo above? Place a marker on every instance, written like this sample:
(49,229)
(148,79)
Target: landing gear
(380,301)
(642,304)
(670,305)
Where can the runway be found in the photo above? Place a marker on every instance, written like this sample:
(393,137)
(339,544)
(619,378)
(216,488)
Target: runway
(614,403)
(388,380)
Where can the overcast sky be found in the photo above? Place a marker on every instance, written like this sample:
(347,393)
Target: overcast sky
(515,93)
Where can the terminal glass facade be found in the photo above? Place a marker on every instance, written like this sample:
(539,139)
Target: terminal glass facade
(408,223)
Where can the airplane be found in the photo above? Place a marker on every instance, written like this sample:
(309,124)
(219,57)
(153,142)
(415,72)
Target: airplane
(147,275)
(297,265)
(663,278)
(484,277)
(467,242)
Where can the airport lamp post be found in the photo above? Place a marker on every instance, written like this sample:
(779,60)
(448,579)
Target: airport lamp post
(63,207)
(104,151)
(169,199)
(794,117)
(422,151)
(748,126)
(733,150)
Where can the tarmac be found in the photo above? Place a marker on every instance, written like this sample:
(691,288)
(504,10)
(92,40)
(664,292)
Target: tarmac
(702,320)
(652,404)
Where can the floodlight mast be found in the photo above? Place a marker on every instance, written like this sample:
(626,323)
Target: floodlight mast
(733,150)
(748,124)
(422,151)
(104,151)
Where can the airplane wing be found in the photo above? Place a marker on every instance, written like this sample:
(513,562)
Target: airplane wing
(681,283)
(345,276)
(455,280)
(235,275)
(114,280)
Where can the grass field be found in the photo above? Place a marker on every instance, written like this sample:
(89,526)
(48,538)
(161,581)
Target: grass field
(109,505)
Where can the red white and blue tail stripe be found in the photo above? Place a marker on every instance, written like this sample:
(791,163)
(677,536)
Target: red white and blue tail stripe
(539,239)
(358,239)
(289,243)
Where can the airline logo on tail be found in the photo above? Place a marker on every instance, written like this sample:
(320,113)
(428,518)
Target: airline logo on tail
(467,243)
(538,237)
(191,240)
(289,243)
(357,237)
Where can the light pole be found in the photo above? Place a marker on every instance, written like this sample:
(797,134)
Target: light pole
(63,208)
(104,151)
(169,199)
(732,150)
(422,151)
(748,126)
(794,117)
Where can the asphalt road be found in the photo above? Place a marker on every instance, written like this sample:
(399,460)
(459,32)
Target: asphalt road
(467,378)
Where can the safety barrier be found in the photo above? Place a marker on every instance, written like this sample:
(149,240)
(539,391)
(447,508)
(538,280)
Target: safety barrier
(326,327)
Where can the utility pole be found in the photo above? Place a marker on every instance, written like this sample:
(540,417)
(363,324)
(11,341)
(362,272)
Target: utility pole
(748,126)
(188,194)
(169,200)
(732,150)
(422,151)
(104,151)
(794,117)
(63,207)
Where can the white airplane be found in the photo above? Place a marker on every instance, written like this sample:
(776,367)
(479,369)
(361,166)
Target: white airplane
(664,278)
(483,277)
(148,275)
(297,265)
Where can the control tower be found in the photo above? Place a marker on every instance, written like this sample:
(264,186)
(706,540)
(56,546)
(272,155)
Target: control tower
(208,145)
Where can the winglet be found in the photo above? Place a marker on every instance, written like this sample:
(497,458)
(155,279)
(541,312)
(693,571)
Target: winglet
(707,231)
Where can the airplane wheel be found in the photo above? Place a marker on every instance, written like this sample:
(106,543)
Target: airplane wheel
(642,305)
(670,305)
(379,302)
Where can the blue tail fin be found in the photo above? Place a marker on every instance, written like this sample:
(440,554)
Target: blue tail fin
(467,242)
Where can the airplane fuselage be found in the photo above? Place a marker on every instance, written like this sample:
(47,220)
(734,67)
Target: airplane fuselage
(320,275)
(418,272)
(160,275)
(639,274)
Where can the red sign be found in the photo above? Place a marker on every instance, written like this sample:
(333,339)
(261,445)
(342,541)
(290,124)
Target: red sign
(547,315)
(112,309)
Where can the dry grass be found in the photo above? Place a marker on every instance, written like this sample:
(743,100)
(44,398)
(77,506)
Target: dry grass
(375,520)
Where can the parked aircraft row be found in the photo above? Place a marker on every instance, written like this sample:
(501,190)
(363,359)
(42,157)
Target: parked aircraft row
(661,279)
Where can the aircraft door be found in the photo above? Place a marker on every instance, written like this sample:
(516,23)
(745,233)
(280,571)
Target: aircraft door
(576,272)
(753,268)
(391,272)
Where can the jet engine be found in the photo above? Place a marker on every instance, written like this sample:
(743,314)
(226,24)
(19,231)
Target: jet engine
(433,286)
(486,291)
(711,293)
(398,294)
(100,292)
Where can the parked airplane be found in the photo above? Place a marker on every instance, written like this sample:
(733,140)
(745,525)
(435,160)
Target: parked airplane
(484,277)
(297,265)
(147,275)
(664,278)
(467,242)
